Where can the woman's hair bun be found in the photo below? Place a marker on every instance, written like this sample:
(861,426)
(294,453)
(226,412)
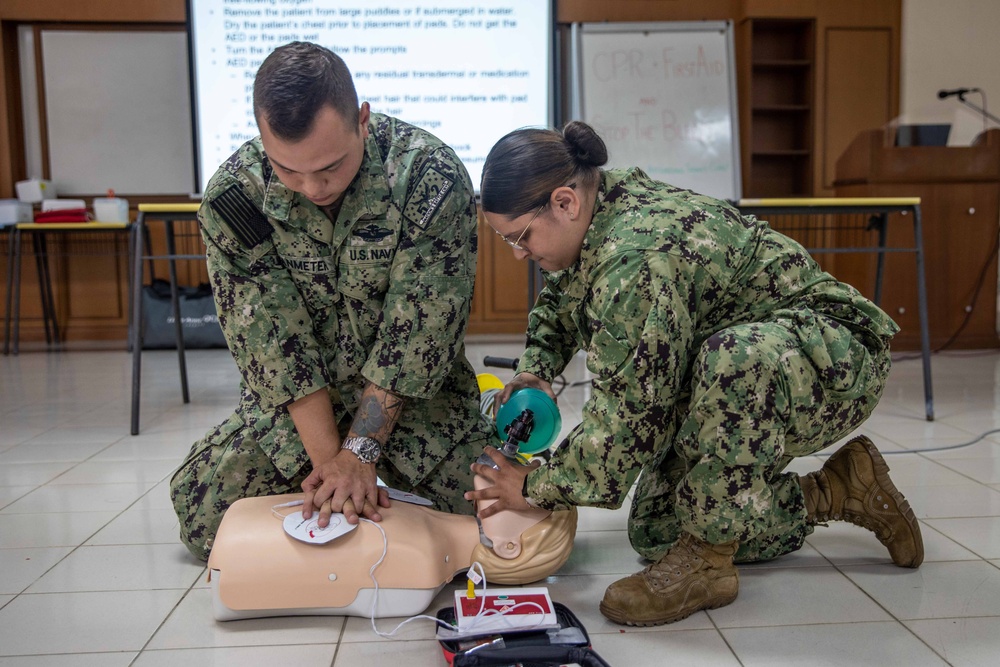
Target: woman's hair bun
(586,147)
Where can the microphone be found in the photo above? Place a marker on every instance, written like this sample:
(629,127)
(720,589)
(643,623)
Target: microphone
(958,91)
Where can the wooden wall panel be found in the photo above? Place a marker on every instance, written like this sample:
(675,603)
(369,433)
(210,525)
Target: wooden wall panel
(90,285)
(31,298)
(959,188)
(857,89)
(570,11)
(960,237)
(89,276)
(500,304)
(11,133)
(124,11)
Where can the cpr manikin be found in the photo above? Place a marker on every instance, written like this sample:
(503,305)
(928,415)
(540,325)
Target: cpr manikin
(257,570)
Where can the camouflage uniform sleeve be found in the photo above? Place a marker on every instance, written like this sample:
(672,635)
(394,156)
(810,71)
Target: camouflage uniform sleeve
(264,320)
(426,310)
(638,353)
(550,342)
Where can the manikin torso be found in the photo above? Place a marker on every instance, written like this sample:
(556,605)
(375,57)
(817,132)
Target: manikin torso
(258,570)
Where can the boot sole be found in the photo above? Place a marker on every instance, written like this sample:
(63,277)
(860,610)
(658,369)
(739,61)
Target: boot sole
(620,618)
(882,477)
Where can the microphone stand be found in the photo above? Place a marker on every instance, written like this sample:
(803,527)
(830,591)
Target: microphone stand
(981,111)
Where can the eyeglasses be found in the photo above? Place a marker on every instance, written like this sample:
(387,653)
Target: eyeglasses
(516,245)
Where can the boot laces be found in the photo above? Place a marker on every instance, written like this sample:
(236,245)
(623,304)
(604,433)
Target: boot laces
(824,507)
(675,563)
(866,521)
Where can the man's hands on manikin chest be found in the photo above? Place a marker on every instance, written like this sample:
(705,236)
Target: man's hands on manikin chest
(340,481)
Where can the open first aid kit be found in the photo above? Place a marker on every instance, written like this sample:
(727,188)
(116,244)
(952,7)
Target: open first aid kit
(563,641)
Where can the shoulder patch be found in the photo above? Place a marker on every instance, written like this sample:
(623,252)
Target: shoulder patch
(238,211)
(235,162)
(426,198)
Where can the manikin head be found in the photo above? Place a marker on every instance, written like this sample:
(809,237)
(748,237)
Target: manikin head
(544,546)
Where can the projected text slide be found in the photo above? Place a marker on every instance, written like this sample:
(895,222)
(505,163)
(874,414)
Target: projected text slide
(469,72)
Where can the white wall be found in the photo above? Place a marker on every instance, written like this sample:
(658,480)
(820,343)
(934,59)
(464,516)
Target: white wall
(950,44)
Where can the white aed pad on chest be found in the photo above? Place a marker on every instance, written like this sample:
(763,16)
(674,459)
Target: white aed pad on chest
(309,530)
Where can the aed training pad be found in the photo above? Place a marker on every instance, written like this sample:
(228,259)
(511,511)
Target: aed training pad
(547,420)
(309,531)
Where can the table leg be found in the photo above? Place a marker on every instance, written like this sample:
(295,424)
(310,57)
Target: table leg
(41,244)
(882,220)
(10,292)
(56,337)
(925,336)
(176,304)
(136,297)
(128,288)
(17,289)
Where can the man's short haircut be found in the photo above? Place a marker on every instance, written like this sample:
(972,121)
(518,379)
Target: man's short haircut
(297,80)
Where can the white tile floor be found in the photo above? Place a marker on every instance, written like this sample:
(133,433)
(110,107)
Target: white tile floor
(91,572)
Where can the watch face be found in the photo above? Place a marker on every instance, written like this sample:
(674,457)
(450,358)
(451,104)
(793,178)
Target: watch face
(366,449)
(369,449)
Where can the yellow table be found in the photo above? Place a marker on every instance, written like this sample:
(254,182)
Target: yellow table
(39,231)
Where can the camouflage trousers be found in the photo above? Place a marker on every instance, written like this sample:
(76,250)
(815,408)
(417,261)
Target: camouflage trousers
(759,398)
(228,464)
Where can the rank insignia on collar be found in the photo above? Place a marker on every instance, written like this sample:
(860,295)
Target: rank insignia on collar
(372,232)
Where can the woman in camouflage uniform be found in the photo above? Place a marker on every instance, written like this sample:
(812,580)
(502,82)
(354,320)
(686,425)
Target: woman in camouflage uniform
(720,351)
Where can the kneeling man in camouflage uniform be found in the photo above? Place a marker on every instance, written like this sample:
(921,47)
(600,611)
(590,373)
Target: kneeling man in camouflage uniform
(342,254)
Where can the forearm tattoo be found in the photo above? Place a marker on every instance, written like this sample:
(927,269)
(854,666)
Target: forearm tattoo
(377,415)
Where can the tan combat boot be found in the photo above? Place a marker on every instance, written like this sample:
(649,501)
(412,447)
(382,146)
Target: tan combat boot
(692,576)
(854,485)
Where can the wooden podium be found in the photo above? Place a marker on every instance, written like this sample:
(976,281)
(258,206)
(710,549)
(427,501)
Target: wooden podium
(959,189)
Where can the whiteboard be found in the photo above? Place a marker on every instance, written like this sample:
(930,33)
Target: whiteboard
(118,112)
(663,97)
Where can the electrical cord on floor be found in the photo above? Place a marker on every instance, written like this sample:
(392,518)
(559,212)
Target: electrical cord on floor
(945,448)
(928,449)
(975,296)
(970,308)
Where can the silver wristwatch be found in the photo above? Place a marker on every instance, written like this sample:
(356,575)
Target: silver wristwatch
(366,449)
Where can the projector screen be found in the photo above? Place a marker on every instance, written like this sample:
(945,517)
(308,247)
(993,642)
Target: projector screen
(469,72)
